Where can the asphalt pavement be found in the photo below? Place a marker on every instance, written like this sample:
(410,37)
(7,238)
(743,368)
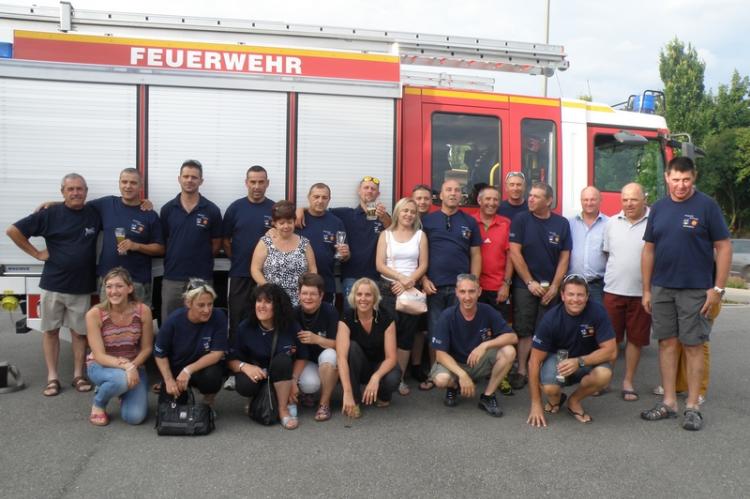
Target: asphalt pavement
(415,448)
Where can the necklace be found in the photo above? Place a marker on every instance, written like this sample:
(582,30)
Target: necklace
(260,325)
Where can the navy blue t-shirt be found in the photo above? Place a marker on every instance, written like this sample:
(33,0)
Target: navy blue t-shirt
(510,211)
(683,235)
(458,337)
(140,226)
(372,343)
(70,236)
(324,322)
(542,240)
(253,345)
(450,239)
(321,232)
(183,342)
(362,238)
(189,239)
(245,223)
(578,334)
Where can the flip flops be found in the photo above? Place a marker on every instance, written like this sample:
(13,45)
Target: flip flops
(100,419)
(581,417)
(555,408)
(629,395)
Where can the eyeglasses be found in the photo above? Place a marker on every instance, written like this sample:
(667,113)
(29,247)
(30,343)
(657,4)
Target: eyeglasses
(374,180)
(196,283)
(515,174)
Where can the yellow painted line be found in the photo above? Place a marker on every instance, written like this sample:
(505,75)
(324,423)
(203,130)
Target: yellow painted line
(537,101)
(110,40)
(589,107)
(412,91)
(465,95)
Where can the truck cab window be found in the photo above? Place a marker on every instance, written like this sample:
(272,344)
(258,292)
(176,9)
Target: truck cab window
(539,152)
(617,164)
(465,147)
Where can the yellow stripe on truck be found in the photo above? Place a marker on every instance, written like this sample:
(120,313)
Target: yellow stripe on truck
(588,107)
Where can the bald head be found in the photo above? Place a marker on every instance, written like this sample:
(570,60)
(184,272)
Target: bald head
(633,200)
(591,199)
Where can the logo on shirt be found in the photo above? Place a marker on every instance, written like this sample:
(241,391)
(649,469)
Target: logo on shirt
(267,221)
(322,333)
(436,341)
(89,231)
(377,227)
(465,232)
(487,241)
(137,227)
(587,331)
(329,237)
(535,339)
(206,340)
(289,350)
(485,334)
(690,222)
(201,221)
(553,238)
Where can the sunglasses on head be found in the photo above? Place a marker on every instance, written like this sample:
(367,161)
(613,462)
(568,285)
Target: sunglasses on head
(515,174)
(374,180)
(196,283)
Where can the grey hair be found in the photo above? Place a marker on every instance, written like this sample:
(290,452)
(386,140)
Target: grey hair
(73,176)
(467,277)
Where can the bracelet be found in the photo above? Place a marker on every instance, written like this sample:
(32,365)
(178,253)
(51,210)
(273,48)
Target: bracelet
(529,283)
(130,368)
(242,364)
(187,371)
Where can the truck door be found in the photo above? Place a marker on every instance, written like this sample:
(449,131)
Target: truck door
(465,143)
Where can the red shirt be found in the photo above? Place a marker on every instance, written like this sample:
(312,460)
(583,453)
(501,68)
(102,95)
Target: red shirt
(495,246)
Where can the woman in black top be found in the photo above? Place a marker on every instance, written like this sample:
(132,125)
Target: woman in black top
(250,356)
(366,350)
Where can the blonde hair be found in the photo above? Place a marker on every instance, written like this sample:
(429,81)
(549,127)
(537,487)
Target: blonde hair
(361,282)
(417,225)
(195,288)
(123,274)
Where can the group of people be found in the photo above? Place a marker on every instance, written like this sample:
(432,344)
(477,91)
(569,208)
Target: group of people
(516,294)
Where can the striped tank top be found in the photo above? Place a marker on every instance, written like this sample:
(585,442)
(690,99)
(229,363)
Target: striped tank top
(121,341)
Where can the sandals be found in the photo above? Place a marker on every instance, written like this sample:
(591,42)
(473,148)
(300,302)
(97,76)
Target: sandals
(289,423)
(403,389)
(555,408)
(629,395)
(100,419)
(323,413)
(381,404)
(81,384)
(52,389)
(426,385)
(581,416)
(658,412)
(692,420)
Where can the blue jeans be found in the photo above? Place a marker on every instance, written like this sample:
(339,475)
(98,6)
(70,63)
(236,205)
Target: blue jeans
(112,382)
(444,298)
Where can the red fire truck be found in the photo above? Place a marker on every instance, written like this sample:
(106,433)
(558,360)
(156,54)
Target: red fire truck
(94,92)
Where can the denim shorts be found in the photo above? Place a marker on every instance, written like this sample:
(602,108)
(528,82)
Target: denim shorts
(548,374)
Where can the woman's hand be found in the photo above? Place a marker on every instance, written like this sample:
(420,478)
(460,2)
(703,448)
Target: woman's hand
(371,391)
(172,388)
(294,392)
(183,380)
(131,373)
(254,372)
(348,405)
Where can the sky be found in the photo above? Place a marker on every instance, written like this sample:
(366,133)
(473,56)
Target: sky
(613,47)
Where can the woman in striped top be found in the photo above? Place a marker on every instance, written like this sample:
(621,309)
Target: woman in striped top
(121,337)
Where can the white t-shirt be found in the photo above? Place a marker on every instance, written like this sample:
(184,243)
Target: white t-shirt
(624,243)
(402,257)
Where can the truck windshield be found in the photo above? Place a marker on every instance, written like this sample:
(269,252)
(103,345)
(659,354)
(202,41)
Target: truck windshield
(616,165)
(465,147)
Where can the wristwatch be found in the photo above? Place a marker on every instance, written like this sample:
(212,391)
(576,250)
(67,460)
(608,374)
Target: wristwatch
(719,290)
(581,363)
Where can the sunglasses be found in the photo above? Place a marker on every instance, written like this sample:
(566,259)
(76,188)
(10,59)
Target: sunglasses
(576,279)
(374,180)
(196,283)
(515,174)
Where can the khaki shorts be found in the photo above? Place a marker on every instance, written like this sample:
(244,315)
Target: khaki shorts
(64,310)
(482,369)
(676,313)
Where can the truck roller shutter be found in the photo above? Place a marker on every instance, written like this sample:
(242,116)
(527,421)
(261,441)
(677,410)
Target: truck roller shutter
(228,131)
(52,128)
(341,139)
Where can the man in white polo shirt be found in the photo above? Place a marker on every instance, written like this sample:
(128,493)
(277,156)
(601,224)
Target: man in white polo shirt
(623,288)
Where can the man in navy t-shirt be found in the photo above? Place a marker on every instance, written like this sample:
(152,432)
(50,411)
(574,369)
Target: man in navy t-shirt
(192,233)
(681,288)
(320,228)
(515,186)
(472,341)
(362,233)
(140,237)
(69,275)
(540,245)
(246,220)
(582,328)
(454,248)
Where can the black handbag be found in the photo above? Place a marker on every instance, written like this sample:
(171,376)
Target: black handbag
(264,408)
(184,419)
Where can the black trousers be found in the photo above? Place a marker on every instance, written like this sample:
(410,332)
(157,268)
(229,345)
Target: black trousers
(208,381)
(279,370)
(360,372)
(406,324)
(238,301)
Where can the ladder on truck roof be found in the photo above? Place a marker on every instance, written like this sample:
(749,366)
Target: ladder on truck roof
(416,49)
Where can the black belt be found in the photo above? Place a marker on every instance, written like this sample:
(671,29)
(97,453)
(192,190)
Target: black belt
(595,280)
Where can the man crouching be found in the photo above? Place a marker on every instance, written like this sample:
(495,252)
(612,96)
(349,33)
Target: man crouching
(582,329)
(472,341)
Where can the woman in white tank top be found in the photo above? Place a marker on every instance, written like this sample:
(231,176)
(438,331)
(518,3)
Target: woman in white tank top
(401,260)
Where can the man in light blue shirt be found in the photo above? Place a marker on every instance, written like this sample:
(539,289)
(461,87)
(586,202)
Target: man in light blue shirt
(587,229)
